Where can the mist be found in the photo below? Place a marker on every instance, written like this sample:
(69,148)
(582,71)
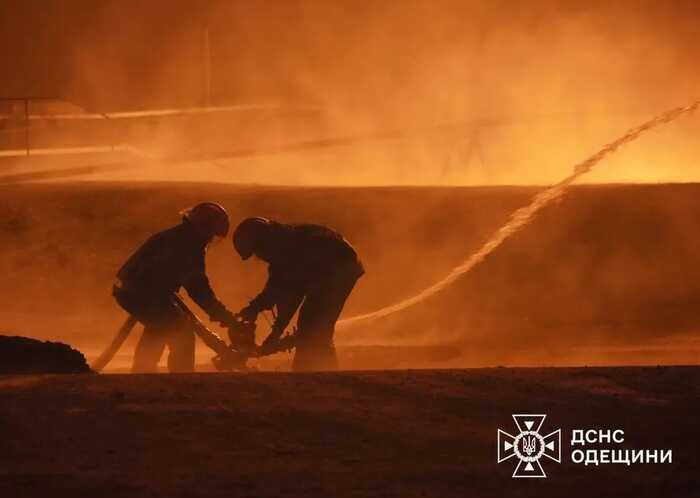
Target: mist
(476,93)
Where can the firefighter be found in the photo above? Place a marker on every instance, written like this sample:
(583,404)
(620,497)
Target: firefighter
(146,285)
(309,263)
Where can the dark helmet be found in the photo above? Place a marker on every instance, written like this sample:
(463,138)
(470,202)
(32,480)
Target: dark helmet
(248,234)
(208,218)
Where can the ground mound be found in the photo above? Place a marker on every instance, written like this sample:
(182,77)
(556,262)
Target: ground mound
(22,355)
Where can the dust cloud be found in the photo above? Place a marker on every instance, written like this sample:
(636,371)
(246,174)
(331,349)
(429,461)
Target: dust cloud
(606,273)
(476,92)
(523,216)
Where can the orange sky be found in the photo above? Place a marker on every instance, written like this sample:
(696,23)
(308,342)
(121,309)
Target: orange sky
(560,78)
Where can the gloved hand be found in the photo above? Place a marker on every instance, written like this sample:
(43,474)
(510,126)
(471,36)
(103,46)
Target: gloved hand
(241,340)
(242,334)
(248,314)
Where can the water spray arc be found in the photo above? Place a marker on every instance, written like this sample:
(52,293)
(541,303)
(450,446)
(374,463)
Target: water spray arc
(521,217)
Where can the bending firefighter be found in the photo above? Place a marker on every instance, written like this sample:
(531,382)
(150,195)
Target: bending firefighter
(307,263)
(147,283)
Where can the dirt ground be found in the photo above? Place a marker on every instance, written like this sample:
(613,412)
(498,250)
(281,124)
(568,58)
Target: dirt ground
(399,433)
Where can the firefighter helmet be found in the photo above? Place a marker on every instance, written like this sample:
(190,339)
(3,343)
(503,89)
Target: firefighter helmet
(248,235)
(208,218)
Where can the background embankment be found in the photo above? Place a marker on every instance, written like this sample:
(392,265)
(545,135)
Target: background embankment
(607,275)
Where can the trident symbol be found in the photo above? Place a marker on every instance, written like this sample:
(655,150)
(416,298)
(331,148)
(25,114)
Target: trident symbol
(529,445)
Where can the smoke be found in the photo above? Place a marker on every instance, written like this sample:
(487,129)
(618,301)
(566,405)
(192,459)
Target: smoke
(523,216)
(546,82)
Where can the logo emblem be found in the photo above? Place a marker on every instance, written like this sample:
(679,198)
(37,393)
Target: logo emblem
(529,446)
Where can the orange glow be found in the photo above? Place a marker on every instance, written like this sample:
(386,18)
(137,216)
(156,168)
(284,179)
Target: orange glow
(382,98)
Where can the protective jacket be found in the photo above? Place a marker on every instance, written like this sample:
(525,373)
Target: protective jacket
(169,260)
(303,257)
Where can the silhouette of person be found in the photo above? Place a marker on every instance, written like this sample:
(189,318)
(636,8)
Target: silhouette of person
(307,263)
(147,282)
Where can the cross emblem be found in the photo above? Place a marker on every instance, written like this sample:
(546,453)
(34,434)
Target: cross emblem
(529,446)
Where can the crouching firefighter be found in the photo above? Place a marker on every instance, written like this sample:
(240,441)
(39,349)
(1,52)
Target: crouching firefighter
(308,263)
(147,284)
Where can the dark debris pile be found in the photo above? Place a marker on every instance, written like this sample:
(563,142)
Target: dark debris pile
(22,355)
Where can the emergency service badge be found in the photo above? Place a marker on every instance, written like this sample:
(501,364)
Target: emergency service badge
(529,446)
